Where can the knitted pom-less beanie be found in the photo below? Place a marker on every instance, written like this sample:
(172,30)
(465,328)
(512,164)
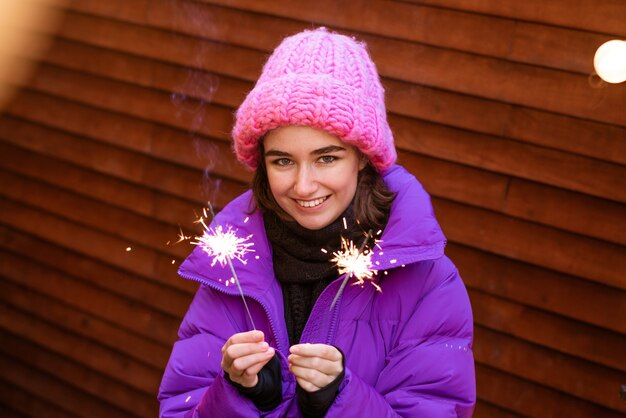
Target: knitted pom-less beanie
(323,80)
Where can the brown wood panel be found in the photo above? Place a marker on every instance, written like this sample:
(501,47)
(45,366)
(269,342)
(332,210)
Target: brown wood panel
(87,353)
(573,212)
(543,246)
(532,400)
(100,330)
(145,137)
(486,35)
(598,140)
(486,410)
(91,213)
(549,129)
(549,330)
(487,77)
(106,189)
(132,100)
(176,48)
(564,373)
(28,404)
(569,296)
(46,387)
(149,324)
(122,396)
(109,249)
(133,167)
(7,412)
(151,292)
(604,16)
(181,81)
(513,158)
(420,24)
(453,181)
(500,80)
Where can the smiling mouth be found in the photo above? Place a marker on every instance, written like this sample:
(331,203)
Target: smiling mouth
(311,203)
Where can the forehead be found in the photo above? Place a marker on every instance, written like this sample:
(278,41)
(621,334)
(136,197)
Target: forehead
(301,139)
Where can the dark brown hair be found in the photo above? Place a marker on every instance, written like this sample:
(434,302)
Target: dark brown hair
(371,204)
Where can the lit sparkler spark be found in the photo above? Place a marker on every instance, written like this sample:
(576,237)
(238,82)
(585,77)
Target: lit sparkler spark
(350,260)
(224,244)
(353,262)
(181,236)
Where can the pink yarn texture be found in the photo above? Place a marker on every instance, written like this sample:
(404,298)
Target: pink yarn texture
(323,80)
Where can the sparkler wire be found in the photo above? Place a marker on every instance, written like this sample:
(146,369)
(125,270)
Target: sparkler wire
(232,270)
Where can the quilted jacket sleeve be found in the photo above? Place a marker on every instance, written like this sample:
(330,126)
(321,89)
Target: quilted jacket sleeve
(193,384)
(429,369)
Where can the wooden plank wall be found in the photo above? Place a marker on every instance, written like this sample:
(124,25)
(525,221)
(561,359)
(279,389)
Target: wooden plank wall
(124,132)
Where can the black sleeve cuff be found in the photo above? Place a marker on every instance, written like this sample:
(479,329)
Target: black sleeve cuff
(268,392)
(316,404)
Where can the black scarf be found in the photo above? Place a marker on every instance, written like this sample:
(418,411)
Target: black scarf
(301,266)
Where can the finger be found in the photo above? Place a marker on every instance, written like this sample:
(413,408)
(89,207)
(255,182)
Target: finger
(313,376)
(239,365)
(306,385)
(325,366)
(239,350)
(236,351)
(244,337)
(256,368)
(316,350)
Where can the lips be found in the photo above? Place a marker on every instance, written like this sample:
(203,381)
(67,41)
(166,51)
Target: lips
(311,203)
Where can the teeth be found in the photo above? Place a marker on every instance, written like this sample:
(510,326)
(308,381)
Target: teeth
(310,203)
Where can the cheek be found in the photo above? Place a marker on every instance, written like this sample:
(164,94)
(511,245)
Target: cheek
(277,183)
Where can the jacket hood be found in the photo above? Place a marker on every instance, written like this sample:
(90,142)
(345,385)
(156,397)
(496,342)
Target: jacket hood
(412,234)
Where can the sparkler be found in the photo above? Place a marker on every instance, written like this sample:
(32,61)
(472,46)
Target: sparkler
(223,246)
(355,263)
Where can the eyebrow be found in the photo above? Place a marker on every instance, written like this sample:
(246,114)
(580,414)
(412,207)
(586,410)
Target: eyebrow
(325,150)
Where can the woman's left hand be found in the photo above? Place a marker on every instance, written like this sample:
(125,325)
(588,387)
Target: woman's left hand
(315,365)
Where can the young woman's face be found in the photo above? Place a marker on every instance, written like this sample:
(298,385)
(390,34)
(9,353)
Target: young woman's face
(312,174)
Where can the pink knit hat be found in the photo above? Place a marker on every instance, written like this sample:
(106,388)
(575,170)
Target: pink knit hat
(323,80)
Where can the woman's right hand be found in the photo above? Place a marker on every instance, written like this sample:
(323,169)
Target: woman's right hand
(244,355)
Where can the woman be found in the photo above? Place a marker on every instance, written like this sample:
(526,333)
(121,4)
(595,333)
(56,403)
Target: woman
(314,129)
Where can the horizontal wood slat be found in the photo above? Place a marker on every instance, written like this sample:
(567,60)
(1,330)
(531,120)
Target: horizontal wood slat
(27,404)
(512,158)
(151,292)
(147,324)
(584,257)
(604,16)
(549,330)
(42,385)
(89,326)
(566,374)
(485,35)
(123,397)
(542,288)
(136,168)
(532,400)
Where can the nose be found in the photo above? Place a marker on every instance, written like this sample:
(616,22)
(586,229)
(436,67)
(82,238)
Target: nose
(306,182)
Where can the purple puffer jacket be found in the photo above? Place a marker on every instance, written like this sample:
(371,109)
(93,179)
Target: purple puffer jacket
(407,349)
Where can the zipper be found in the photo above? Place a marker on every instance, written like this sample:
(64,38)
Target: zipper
(222,290)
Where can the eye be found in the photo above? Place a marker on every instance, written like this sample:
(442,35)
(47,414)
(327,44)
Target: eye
(327,159)
(282,162)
